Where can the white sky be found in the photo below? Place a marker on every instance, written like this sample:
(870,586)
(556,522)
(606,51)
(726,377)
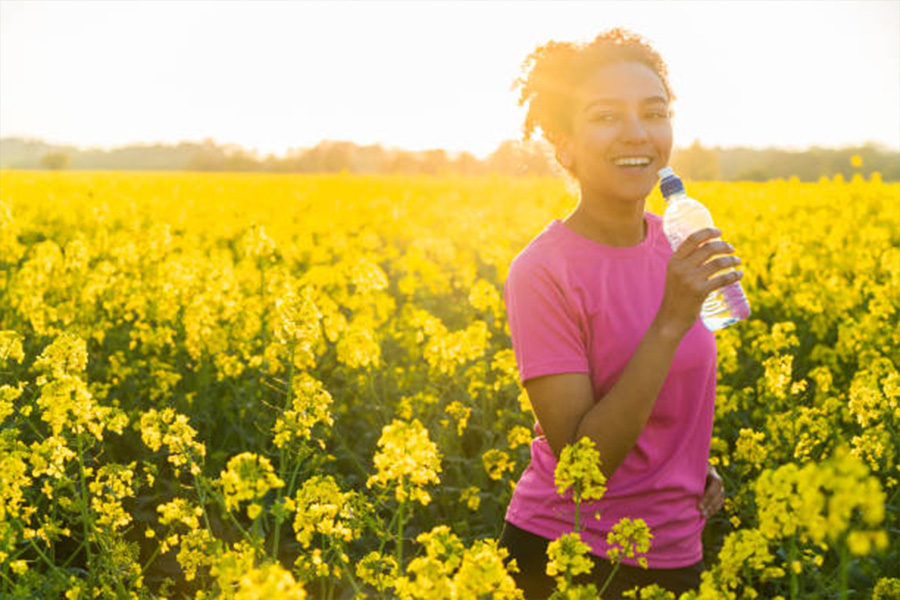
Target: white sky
(275,75)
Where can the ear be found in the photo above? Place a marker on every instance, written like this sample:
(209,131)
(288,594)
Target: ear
(565,155)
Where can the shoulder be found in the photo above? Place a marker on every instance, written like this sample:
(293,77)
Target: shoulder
(542,258)
(659,244)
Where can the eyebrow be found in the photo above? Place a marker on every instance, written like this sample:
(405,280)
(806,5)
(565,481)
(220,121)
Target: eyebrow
(613,101)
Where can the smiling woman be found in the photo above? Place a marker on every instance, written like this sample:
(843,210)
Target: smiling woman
(603,318)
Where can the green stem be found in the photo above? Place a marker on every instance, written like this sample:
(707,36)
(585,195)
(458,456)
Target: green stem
(44,557)
(282,465)
(265,311)
(122,593)
(10,584)
(360,467)
(150,560)
(791,559)
(247,535)
(72,555)
(609,578)
(352,578)
(85,514)
(290,487)
(202,492)
(845,564)
(400,520)
(383,538)
(221,502)
(577,511)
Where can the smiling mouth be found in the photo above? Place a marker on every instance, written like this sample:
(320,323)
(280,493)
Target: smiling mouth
(631,161)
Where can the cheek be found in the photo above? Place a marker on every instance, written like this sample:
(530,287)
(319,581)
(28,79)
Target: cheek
(596,141)
(663,139)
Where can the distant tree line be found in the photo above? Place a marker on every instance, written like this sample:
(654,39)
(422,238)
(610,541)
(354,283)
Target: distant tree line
(749,164)
(510,158)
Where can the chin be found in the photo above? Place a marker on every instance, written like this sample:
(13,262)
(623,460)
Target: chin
(634,192)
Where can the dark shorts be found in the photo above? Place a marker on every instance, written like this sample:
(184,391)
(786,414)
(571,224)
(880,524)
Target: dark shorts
(530,552)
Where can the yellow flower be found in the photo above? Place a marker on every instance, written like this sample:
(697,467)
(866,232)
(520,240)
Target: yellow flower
(322,508)
(112,483)
(749,447)
(446,351)
(168,428)
(742,550)
(484,297)
(377,570)
(310,404)
(268,582)
(578,470)
(629,537)
(568,554)
(496,463)
(358,347)
(461,413)
(518,436)
(887,588)
(450,570)
(653,592)
(819,501)
(181,511)
(777,378)
(407,460)
(11,347)
(483,573)
(297,324)
(247,476)
(470,497)
(8,395)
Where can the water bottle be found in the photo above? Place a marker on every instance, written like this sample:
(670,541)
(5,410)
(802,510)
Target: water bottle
(683,217)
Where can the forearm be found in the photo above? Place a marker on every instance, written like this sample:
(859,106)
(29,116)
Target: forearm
(615,422)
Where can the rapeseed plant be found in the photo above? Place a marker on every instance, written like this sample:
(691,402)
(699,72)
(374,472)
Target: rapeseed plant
(164,309)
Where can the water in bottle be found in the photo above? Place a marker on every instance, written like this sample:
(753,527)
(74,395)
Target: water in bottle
(683,217)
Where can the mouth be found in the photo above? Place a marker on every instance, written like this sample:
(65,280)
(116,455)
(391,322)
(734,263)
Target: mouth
(635,162)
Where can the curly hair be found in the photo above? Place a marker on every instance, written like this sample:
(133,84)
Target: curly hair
(553,72)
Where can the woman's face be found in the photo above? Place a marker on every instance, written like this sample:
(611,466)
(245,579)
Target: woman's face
(621,132)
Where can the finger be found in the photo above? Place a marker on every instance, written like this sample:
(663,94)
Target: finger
(722,280)
(695,239)
(714,489)
(713,506)
(719,264)
(718,506)
(715,248)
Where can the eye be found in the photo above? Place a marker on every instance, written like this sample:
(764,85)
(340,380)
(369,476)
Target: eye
(602,117)
(657,114)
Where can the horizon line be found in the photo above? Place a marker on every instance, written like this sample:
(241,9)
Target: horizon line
(880,145)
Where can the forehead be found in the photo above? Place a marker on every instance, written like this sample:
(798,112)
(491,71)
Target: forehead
(620,82)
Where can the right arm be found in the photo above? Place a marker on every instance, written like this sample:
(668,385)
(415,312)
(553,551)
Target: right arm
(564,403)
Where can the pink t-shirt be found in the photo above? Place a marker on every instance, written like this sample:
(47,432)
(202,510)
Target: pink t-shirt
(577,306)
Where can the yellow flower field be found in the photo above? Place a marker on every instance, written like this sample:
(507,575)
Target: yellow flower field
(283,386)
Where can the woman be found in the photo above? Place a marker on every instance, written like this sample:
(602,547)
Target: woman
(603,317)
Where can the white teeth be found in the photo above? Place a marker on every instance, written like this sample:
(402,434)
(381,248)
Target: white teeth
(631,161)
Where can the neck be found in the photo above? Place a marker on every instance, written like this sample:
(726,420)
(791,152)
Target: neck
(610,223)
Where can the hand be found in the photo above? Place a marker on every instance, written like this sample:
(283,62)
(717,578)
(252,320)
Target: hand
(714,494)
(688,281)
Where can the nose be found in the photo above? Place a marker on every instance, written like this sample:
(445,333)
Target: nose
(632,129)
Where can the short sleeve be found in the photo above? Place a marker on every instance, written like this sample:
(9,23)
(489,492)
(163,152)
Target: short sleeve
(546,334)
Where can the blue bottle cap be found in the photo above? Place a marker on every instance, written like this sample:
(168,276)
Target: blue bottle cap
(669,183)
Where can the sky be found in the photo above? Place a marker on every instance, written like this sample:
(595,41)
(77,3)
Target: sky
(271,76)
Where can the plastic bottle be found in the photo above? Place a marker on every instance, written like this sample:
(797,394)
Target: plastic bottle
(684,216)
